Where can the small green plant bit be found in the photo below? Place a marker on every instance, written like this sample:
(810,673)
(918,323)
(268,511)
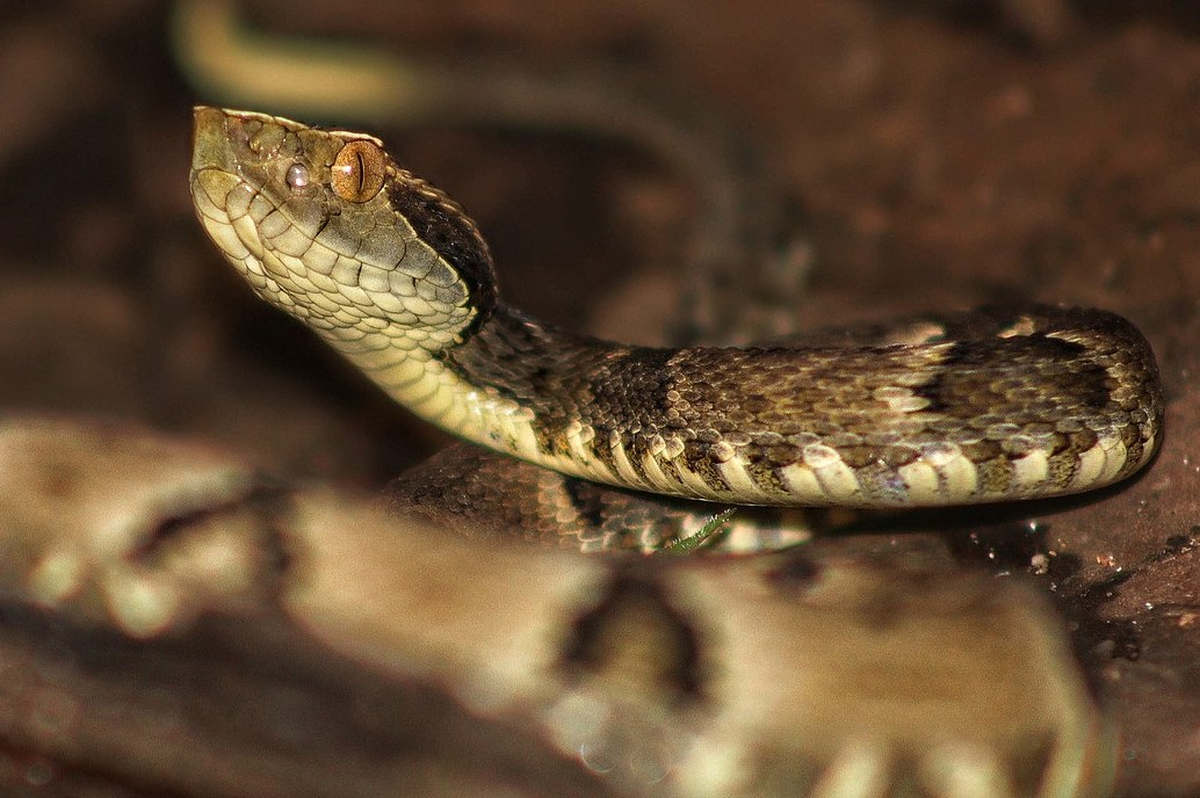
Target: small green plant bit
(707,535)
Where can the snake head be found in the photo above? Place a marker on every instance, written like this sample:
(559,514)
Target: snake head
(325,225)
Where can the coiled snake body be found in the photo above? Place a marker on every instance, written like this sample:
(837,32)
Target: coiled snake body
(986,406)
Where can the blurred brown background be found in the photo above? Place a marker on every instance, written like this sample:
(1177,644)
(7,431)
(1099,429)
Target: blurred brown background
(943,153)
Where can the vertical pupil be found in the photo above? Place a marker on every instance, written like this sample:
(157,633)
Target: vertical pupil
(357,173)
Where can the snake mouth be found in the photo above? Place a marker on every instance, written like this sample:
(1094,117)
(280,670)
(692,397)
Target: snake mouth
(215,179)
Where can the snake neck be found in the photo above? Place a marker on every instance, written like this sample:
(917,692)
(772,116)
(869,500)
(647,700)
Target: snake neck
(513,383)
(545,370)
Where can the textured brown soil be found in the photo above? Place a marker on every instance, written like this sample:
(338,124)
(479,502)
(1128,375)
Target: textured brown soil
(942,153)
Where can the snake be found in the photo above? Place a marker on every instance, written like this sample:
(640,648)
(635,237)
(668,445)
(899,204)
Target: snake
(836,669)
(990,405)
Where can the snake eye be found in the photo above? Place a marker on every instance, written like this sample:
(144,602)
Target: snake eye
(357,172)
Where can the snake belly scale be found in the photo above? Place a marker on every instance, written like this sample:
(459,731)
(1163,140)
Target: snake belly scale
(991,405)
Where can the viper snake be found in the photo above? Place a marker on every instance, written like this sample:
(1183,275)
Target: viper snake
(990,405)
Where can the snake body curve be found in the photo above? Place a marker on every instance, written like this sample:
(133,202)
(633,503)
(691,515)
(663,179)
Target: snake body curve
(986,406)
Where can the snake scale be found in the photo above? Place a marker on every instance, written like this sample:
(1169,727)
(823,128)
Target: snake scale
(990,405)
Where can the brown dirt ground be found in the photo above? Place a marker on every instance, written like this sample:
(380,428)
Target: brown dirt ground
(943,153)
